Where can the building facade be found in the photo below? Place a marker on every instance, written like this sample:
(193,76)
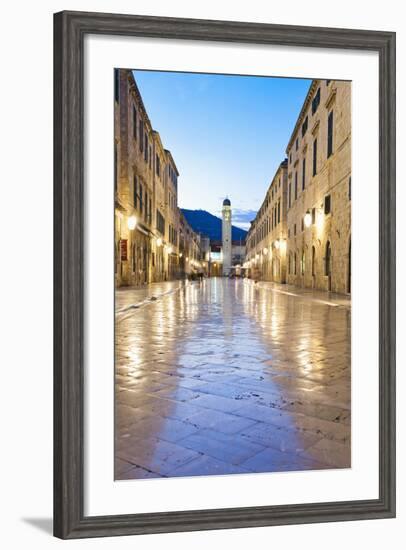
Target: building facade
(133,184)
(267,237)
(190,249)
(147,217)
(319,190)
(302,232)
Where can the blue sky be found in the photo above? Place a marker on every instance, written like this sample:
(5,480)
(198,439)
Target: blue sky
(227,134)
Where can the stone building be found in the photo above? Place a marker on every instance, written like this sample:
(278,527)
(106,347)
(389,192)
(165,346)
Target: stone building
(160,244)
(319,190)
(172,216)
(190,254)
(133,184)
(147,217)
(266,239)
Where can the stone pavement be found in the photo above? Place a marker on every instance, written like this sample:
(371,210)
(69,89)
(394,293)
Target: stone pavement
(229,376)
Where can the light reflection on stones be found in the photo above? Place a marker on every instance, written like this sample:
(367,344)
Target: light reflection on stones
(227,377)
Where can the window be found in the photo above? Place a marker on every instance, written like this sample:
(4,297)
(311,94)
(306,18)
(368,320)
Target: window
(297,144)
(135,190)
(279,211)
(294,230)
(316,101)
(116,85)
(141,133)
(140,196)
(303,263)
(160,222)
(305,125)
(315,157)
(327,266)
(150,157)
(302,225)
(313,216)
(330,135)
(327,204)
(295,185)
(134,123)
(146,206)
(157,165)
(290,158)
(150,211)
(313,261)
(294,264)
(290,194)
(303,174)
(145,147)
(349,188)
(290,264)
(289,233)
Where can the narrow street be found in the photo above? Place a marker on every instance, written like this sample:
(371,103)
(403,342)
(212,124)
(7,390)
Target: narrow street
(229,376)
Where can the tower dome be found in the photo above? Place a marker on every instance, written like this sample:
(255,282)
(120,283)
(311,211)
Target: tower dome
(226,202)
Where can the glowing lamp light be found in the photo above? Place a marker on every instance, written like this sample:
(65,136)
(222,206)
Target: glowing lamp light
(131,222)
(169,250)
(159,242)
(277,244)
(180,255)
(265,251)
(308,219)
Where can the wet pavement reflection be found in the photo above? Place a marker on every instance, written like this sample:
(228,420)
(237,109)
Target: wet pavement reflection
(230,377)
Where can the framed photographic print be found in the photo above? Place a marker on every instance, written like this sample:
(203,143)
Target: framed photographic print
(224,274)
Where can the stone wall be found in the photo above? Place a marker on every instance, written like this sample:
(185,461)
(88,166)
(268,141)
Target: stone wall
(319,233)
(143,185)
(266,240)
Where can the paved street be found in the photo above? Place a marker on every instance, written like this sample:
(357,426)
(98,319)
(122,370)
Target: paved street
(229,376)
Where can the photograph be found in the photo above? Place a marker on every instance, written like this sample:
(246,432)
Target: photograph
(232,272)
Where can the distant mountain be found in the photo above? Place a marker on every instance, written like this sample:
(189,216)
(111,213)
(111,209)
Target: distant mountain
(202,221)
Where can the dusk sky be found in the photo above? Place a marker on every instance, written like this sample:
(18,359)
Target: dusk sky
(227,134)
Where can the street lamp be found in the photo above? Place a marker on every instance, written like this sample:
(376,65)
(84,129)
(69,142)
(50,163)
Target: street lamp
(180,255)
(277,244)
(131,222)
(308,219)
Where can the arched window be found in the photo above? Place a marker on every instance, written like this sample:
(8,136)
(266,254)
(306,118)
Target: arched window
(294,264)
(313,261)
(328,259)
(303,263)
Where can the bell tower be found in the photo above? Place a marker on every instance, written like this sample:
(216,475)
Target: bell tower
(226,236)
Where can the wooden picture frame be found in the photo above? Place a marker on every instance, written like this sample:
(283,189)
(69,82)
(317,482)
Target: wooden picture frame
(70,29)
